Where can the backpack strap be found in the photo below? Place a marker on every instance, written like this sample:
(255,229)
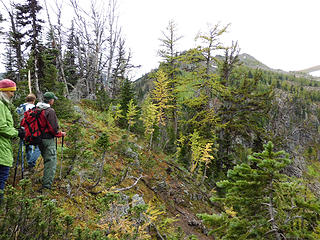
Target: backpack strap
(37,118)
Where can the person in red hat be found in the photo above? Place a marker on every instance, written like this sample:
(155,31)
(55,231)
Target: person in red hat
(7,131)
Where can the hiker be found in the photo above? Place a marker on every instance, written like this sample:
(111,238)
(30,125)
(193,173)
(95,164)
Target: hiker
(32,152)
(48,145)
(7,131)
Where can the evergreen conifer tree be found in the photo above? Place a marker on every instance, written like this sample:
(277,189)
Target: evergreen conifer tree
(9,64)
(229,62)
(131,114)
(243,113)
(120,70)
(149,117)
(1,27)
(161,96)
(126,94)
(170,66)
(28,18)
(14,54)
(210,43)
(260,202)
(70,66)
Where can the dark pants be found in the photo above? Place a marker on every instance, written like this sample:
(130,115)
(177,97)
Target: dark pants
(4,174)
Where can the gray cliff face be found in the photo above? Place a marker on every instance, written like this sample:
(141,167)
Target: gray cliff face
(295,123)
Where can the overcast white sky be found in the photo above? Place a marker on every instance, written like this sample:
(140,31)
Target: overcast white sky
(282,34)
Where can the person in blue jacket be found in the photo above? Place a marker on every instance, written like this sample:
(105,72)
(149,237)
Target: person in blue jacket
(32,152)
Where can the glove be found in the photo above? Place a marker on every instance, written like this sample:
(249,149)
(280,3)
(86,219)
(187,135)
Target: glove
(21,132)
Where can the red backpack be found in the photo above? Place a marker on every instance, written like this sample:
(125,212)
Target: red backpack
(34,123)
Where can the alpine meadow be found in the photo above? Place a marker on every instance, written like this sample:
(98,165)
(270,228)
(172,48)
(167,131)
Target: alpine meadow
(211,144)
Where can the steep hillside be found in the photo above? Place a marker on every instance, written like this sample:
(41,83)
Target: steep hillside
(295,123)
(120,181)
(111,183)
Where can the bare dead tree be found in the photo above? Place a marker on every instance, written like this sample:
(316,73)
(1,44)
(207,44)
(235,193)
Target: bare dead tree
(57,43)
(99,22)
(114,35)
(99,40)
(98,36)
(83,43)
(35,51)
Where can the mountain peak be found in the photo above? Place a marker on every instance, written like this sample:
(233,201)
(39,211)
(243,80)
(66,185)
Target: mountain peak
(252,62)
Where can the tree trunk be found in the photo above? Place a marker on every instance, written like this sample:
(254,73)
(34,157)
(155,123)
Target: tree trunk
(272,214)
(36,78)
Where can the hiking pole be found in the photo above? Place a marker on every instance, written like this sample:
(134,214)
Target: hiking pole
(17,163)
(61,157)
(22,160)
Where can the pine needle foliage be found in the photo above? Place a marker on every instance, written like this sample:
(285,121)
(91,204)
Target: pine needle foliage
(262,203)
(201,156)
(131,114)
(149,116)
(161,96)
(111,116)
(24,217)
(243,114)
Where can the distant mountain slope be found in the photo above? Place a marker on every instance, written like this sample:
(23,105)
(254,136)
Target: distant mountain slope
(311,69)
(145,83)
(251,62)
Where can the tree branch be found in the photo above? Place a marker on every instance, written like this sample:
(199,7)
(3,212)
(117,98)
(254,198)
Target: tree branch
(129,187)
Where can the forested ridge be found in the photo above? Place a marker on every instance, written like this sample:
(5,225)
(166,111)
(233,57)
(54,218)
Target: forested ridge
(212,144)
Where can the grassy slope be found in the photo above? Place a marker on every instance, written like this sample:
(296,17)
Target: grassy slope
(164,186)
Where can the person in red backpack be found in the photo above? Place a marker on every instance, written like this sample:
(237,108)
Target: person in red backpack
(7,131)
(48,145)
(32,152)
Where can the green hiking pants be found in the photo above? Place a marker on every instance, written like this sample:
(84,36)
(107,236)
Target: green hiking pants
(49,154)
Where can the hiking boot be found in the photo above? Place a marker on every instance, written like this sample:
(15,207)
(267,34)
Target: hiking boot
(29,171)
(44,191)
(38,180)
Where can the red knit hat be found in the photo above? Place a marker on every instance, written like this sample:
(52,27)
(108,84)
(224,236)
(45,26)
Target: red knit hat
(7,85)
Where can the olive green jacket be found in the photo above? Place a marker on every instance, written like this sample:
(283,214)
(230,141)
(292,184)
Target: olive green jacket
(7,132)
